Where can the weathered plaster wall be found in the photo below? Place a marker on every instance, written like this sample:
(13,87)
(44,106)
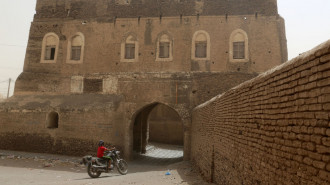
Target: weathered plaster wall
(165,126)
(273,129)
(108,9)
(100,96)
(102,51)
(87,117)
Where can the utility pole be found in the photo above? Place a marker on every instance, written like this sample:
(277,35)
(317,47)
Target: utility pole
(8,88)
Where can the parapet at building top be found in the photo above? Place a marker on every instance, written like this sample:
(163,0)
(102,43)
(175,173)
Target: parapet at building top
(151,8)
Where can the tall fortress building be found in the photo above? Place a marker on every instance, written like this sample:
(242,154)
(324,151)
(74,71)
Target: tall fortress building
(131,71)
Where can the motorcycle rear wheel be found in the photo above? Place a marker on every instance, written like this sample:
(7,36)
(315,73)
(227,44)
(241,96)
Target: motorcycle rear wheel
(122,167)
(91,172)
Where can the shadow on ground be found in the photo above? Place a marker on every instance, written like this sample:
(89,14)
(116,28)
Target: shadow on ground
(159,158)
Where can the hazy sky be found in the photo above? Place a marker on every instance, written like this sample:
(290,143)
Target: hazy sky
(307,25)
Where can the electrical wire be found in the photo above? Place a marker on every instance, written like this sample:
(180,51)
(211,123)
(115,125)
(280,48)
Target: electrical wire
(11,45)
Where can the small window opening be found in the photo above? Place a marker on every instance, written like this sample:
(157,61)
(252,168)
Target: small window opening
(50,52)
(239,50)
(93,85)
(129,51)
(200,49)
(164,48)
(52,120)
(75,52)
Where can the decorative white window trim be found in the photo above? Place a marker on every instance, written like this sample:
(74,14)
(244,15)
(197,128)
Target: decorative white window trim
(129,39)
(193,45)
(234,37)
(123,2)
(77,84)
(44,45)
(70,44)
(164,38)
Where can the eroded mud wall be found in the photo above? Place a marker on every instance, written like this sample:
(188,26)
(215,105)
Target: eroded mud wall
(273,129)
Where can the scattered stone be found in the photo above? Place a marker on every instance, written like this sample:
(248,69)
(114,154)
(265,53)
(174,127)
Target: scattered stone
(47,165)
(10,157)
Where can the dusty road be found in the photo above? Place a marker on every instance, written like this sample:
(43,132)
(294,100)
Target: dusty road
(42,169)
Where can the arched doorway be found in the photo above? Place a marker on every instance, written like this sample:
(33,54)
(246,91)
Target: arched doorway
(158,128)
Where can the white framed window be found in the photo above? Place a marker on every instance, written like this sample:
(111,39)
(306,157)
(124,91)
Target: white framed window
(164,48)
(50,44)
(201,45)
(238,46)
(75,52)
(129,49)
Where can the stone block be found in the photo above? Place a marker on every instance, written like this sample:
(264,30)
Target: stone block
(316,139)
(324,67)
(308,146)
(326,141)
(319,131)
(315,156)
(308,161)
(325,58)
(322,149)
(311,170)
(326,107)
(319,164)
(324,175)
(328,132)
(323,83)
(326,158)
(315,77)
(322,115)
(328,167)
(326,74)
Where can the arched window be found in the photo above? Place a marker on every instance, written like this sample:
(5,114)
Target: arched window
(201,46)
(52,120)
(49,51)
(76,48)
(164,48)
(129,49)
(238,46)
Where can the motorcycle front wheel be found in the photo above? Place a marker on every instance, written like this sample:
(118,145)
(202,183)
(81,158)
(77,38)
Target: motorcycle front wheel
(122,167)
(92,172)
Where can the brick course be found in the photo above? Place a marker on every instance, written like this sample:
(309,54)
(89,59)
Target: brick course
(273,129)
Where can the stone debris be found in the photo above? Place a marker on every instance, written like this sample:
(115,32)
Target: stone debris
(11,157)
(47,165)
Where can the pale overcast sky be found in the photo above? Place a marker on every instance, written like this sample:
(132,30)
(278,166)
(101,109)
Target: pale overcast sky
(307,25)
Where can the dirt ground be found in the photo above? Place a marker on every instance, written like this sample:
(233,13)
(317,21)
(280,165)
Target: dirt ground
(31,168)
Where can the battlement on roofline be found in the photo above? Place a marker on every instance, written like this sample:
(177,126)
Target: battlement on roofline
(77,9)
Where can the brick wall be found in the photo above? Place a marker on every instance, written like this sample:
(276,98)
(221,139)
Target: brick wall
(273,129)
(108,9)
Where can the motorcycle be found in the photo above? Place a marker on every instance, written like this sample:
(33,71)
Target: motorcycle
(96,166)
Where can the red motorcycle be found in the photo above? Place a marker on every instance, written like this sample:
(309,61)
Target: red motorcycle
(96,166)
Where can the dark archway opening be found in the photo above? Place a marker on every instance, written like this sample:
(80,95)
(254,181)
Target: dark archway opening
(52,120)
(158,134)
